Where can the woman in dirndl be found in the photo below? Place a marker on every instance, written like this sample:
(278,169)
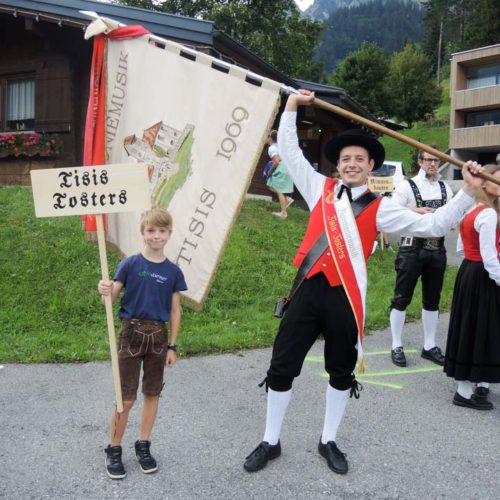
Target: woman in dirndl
(279,180)
(473,346)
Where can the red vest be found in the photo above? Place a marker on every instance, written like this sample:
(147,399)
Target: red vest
(367,228)
(470,237)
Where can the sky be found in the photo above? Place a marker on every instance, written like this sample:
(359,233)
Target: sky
(303,4)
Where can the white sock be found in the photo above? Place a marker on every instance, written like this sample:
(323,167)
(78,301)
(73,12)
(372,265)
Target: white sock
(336,402)
(486,385)
(430,322)
(277,404)
(397,323)
(465,389)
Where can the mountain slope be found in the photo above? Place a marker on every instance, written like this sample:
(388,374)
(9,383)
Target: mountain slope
(387,23)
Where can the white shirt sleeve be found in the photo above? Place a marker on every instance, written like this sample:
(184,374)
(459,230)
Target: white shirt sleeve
(486,224)
(272,150)
(306,179)
(403,195)
(393,218)
(460,245)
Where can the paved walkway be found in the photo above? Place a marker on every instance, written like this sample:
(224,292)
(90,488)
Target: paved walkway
(403,437)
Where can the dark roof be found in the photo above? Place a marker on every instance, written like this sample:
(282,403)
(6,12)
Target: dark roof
(164,25)
(171,26)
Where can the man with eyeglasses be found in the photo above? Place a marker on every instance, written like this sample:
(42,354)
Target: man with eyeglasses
(423,258)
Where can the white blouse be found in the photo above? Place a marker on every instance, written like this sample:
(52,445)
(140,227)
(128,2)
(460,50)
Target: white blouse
(486,224)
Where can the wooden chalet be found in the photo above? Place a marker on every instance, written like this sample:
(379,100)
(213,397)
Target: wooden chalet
(44,81)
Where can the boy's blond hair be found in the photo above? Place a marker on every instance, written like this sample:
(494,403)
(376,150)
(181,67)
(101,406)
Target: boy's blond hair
(158,217)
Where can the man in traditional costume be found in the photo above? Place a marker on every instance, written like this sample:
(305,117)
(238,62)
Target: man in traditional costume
(423,258)
(332,258)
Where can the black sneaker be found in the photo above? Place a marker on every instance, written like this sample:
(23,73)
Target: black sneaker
(435,355)
(259,457)
(335,458)
(398,356)
(481,393)
(113,462)
(473,402)
(146,461)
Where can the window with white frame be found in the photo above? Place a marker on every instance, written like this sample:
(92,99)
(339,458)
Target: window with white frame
(483,76)
(18,110)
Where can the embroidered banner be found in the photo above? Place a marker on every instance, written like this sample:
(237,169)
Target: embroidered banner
(200,128)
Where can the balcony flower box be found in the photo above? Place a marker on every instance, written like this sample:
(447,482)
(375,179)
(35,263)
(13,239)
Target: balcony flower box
(29,144)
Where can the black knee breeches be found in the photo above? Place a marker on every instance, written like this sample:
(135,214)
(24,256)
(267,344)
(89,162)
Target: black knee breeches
(315,308)
(412,263)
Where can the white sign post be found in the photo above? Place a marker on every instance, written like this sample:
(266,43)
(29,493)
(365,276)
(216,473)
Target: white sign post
(94,190)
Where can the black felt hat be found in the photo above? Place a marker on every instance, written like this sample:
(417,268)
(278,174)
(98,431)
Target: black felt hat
(356,137)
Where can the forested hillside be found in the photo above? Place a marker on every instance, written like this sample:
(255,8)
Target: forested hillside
(322,9)
(387,23)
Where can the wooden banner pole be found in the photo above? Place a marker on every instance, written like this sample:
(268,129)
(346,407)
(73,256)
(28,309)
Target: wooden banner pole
(400,137)
(109,314)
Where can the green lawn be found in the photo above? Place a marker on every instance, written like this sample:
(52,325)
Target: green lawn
(50,310)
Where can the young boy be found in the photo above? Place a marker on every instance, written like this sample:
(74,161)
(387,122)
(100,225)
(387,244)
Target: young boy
(151,297)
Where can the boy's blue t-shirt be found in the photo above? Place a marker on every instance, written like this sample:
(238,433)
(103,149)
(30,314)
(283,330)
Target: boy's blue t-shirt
(149,287)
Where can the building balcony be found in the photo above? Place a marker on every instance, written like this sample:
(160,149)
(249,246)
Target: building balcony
(475,137)
(472,99)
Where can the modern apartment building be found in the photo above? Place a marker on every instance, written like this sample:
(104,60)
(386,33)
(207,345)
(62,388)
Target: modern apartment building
(475,104)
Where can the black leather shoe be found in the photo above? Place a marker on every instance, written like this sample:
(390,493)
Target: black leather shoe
(335,458)
(146,461)
(481,393)
(398,356)
(435,355)
(259,457)
(113,462)
(474,402)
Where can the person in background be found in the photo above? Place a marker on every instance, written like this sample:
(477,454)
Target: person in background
(473,345)
(423,258)
(278,180)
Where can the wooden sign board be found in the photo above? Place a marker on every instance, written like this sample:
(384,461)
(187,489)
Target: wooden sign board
(101,189)
(381,184)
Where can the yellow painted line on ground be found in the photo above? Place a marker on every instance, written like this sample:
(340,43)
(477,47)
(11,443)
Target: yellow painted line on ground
(365,378)
(371,382)
(402,371)
(319,359)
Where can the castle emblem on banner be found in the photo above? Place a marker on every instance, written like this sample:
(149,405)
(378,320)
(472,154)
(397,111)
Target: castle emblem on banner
(167,152)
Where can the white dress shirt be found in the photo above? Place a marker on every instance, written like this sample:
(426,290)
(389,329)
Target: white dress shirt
(391,217)
(429,190)
(486,224)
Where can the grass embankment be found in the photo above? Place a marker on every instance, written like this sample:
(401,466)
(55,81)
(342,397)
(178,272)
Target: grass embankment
(433,131)
(50,310)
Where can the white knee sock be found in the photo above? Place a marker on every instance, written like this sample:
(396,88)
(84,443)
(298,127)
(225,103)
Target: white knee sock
(430,322)
(336,402)
(486,385)
(277,404)
(465,389)
(397,323)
